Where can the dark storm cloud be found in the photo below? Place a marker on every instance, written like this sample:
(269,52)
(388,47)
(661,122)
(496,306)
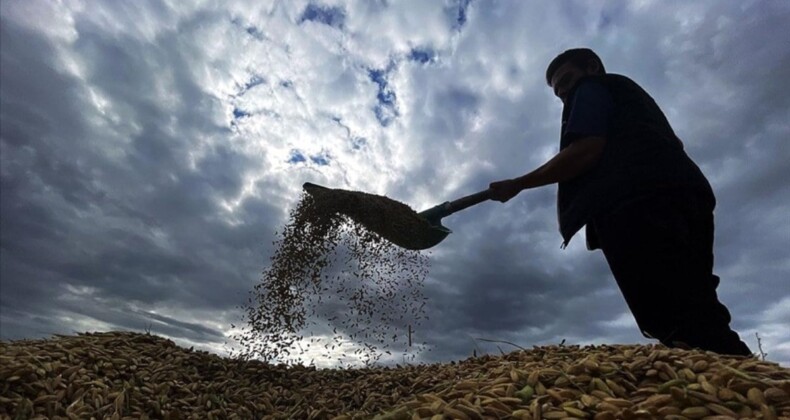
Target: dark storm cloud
(85,206)
(502,287)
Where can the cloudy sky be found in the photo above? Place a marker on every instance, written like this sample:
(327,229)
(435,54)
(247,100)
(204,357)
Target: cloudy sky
(151,149)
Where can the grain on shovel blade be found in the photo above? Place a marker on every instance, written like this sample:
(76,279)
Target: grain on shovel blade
(390,219)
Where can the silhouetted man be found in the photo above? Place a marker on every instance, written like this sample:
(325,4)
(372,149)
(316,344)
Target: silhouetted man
(623,173)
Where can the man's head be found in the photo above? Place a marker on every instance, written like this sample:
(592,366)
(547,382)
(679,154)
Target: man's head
(567,68)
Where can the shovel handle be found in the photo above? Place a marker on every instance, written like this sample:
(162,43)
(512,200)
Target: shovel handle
(468,201)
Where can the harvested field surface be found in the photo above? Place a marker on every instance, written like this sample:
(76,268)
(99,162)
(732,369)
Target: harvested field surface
(128,375)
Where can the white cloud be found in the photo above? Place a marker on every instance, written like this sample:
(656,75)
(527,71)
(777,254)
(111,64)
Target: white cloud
(624,320)
(53,19)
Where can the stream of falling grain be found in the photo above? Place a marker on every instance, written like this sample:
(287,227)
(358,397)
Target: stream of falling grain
(333,277)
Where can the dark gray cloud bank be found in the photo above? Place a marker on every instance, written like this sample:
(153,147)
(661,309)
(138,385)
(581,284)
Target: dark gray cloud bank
(150,151)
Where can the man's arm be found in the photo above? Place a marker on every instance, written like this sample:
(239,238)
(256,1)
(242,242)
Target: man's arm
(579,157)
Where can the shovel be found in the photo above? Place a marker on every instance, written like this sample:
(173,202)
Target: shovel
(398,224)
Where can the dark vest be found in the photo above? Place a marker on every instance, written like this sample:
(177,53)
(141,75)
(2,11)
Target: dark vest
(642,156)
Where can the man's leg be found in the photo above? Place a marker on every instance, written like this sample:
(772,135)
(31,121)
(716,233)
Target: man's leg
(708,327)
(660,251)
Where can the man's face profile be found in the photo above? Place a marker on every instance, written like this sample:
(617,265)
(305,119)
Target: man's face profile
(565,78)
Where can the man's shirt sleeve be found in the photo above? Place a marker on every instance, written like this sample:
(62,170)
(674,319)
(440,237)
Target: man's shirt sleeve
(590,112)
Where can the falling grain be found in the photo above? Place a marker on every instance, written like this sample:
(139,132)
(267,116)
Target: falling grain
(332,275)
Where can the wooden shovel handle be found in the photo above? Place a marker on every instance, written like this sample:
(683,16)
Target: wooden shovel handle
(468,201)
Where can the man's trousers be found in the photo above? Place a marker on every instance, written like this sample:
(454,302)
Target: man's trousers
(659,247)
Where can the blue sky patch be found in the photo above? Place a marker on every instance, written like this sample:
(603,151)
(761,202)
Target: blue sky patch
(378,76)
(321,159)
(384,114)
(296,157)
(422,55)
(240,113)
(251,29)
(332,16)
(254,81)
(386,109)
(255,33)
(460,13)
(358,143)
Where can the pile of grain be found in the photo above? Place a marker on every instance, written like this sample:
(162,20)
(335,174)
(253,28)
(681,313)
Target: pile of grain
(126,375)
(332,276)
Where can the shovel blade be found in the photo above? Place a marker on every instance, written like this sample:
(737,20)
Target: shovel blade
(427,238)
